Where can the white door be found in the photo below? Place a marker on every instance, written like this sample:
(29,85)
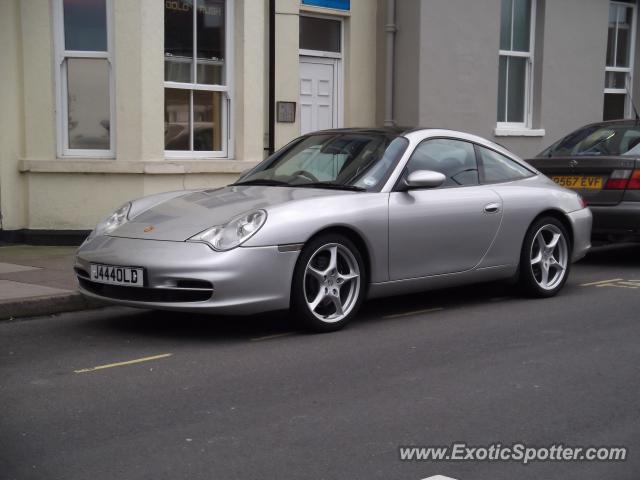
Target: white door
(318,95)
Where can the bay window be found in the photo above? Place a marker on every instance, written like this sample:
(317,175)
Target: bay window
(84,78)
(197,78)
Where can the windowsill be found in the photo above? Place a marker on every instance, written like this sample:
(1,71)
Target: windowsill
(518,132)
(150,167)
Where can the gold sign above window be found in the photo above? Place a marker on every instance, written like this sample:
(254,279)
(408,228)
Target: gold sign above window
(187,6)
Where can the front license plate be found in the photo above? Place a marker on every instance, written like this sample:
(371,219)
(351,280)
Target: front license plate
(113,275)
(578,182)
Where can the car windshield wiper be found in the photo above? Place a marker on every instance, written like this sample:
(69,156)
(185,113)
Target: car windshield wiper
(263,181)
(335,186)
(279,183)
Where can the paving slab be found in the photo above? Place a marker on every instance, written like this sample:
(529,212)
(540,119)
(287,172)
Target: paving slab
(13,268)
(38,280)
(11,290)
(50,266)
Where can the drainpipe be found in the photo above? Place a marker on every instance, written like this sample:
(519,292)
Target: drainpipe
(272,76)
(390,29)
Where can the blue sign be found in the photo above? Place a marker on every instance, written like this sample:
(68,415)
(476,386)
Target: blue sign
(337,4)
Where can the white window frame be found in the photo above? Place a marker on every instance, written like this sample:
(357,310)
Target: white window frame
(338,58)
(62,94)
(510,127)
(626,91)
(227,114)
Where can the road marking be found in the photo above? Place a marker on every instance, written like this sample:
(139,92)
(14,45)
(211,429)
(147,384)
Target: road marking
(269,337)
(415,312)
(120,364)
(616,286)
(601,281)
(614,282)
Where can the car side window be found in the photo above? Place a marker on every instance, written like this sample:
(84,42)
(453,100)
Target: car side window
(455,159)
(499,168)
(630,141)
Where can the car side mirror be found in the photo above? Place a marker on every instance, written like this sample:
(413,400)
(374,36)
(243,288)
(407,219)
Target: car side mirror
(424,179)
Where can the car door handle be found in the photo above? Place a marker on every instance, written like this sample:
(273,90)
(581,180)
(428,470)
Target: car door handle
(492,208)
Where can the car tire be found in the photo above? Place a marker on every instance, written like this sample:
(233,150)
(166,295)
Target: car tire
(329,283)
(545,259)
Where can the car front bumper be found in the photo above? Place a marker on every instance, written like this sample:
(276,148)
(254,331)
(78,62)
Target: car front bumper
(187,276)
(617,222)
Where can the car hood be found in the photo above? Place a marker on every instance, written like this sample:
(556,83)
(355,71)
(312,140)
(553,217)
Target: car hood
(179,219)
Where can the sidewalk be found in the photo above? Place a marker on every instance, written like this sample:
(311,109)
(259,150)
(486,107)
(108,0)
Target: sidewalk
(38,280)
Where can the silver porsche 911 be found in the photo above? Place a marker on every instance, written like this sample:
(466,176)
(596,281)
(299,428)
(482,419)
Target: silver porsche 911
(336,217)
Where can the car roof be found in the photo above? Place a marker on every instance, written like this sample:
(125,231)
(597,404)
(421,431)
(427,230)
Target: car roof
(398,131)
(604,123)
(390,130)
(395,130)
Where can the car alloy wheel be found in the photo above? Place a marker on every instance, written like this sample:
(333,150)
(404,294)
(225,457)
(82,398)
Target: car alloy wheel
(331,282)
(549,257)
(328,283)
(545,259)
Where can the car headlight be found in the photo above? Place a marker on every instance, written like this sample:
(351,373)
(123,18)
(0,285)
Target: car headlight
(113,221)
(233,233)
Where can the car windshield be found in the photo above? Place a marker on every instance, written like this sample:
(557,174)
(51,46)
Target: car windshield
(341,160)
(598,140)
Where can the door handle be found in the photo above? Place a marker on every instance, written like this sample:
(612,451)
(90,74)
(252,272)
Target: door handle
(492,208)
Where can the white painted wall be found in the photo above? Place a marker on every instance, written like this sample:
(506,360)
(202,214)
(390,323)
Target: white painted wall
(12,185)
(40,191)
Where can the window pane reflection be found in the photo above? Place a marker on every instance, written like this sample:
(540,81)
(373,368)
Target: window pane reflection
(624,36)
(502,87)
(178,40)
(611,35)
(505,24)
(177,124)
(319,34)
(207,116)
(517,68)
(85,25)
(615,80)
(210,17)
(88,103)
(614,106)
(521,24)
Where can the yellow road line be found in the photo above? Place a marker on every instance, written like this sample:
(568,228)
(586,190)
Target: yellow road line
(615,286)
(415,312)
(120,364)
(601,281)
(269,337)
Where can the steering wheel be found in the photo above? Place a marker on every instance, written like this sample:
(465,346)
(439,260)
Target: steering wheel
(305,174)
(453,177)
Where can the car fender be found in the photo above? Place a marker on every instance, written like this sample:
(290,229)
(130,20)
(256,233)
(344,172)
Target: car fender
(523,201)
(364,213)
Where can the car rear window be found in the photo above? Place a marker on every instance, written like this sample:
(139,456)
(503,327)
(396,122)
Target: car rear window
(597,140)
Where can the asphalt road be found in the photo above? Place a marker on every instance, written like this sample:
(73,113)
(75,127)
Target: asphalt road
(252,398)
